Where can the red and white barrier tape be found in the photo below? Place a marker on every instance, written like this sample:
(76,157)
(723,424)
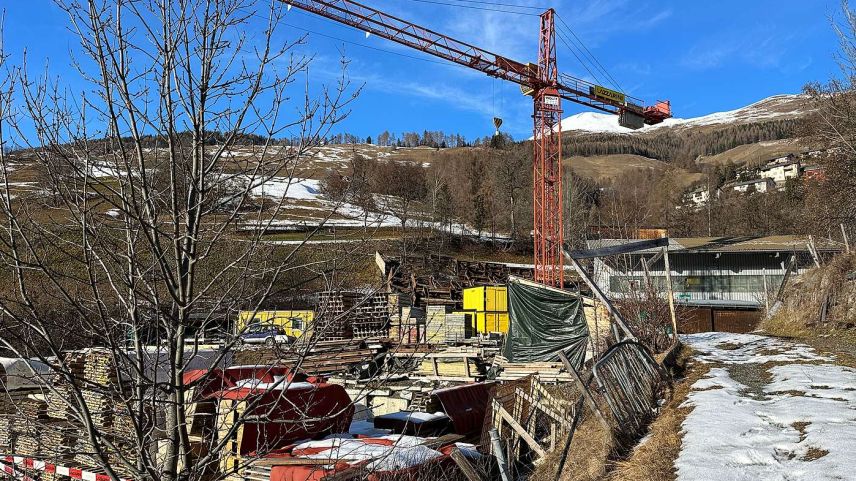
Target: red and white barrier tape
(9,463)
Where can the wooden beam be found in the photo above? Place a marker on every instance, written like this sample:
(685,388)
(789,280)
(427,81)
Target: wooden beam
(466,467)
(671,293)
(556,417)
(650,262)
(600,295)
(586,393)
(813,251)
(518,429)
(766,291)
(790,269)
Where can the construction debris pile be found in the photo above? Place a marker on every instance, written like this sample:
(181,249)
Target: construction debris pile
(415,381)
(440,280)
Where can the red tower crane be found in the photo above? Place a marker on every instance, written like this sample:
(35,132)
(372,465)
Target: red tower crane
(542,81)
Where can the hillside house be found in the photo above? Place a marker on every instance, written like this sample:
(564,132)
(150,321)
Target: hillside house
(781,169)
(710,275)
(749,186)
(698,196)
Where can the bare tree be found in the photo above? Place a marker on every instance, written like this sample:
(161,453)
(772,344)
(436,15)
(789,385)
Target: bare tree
(139,250)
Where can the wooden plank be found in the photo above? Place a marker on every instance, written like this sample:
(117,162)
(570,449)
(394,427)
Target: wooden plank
(466,467)
(520,431)
(586,394)
(443,440)
(544,409)
(671,293)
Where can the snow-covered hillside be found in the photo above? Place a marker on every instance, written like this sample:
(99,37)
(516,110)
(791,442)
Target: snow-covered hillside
(779,106)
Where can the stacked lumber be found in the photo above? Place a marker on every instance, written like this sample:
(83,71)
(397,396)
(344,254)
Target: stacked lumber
(315,358)
(99,367)
(31,413)
(59,438)
(11,401)
(455,328)
(453,364)
(28,443)
(57,400)
(546,371)
(7,432)
(34,409)
(330,321)
(369,317)
(435,324)
(84,453)
(440,280)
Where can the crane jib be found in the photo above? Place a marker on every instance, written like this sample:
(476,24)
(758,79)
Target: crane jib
(541,81)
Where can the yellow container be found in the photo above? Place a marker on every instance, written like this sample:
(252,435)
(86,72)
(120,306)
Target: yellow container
(486,298)
(295,323)
(487,322)
(489,308)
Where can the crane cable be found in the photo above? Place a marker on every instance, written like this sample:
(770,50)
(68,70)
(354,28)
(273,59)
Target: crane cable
(499,4)
(585,50)
(574,53)
(473,7)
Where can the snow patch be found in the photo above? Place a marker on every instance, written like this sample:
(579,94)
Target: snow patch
(803,427)
(285,187)
(748,348)
(778,106)
(405,451)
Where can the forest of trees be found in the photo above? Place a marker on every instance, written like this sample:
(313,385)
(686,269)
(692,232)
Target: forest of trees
(488,188)
(682,147)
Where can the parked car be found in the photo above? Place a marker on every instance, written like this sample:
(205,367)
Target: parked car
(267,334)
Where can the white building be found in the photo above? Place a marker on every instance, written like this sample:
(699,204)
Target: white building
(762,185)
(781,169)
(699,196)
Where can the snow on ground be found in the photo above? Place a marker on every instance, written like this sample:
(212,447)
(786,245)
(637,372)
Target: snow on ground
(749,348)
(290,188)
(792,419)
(777,106)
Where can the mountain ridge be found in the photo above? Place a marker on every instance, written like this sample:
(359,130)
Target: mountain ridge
(770,108)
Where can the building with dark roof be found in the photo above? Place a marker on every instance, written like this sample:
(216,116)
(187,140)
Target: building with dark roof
(711,274)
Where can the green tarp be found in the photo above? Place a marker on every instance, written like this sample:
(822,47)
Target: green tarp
(544,321)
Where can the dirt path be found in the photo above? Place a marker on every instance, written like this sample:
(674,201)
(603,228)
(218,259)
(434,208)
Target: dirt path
(768,410)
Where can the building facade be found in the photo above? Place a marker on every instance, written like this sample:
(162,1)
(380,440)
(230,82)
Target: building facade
(730,272)
(762,185)
(781,169)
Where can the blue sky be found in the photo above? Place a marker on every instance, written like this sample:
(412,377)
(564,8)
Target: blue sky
(705,56)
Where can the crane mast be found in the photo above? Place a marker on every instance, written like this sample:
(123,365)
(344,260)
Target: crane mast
(547,161)
(542,81)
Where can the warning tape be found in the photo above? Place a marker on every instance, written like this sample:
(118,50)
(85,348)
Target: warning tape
(8,463)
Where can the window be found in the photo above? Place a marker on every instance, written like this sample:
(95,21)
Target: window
(297,323)
(699,284)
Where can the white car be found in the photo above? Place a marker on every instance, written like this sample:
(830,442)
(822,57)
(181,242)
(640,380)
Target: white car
(267,334)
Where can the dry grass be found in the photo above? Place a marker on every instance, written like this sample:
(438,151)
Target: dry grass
(591,449)
(609,167)
(754,154)
(594,453)
(799,317)
(654,460)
